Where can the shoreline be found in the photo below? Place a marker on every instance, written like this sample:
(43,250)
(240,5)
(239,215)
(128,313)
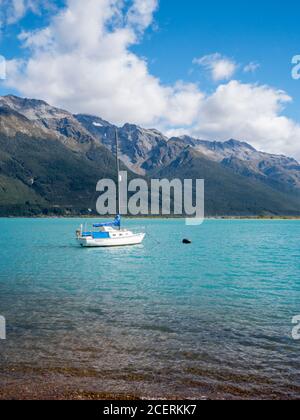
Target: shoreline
(52,393)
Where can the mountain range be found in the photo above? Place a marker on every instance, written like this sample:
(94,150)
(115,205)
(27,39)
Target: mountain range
(51,160)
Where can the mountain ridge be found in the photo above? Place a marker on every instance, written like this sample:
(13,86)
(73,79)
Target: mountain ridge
(36,137)
(151,148)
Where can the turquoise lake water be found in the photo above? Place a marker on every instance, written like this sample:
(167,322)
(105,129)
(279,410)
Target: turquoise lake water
(212,319)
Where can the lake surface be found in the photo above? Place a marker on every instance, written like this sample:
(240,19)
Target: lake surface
(208,320)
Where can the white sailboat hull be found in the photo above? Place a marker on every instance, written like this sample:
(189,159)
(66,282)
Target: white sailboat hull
(108,235)
(90,242)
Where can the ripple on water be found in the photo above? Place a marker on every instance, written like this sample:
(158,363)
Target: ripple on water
(212,320)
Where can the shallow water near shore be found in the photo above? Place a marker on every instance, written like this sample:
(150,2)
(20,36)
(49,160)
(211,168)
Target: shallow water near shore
(207,320)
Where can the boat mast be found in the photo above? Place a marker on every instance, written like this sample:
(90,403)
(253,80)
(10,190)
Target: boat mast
(118,172)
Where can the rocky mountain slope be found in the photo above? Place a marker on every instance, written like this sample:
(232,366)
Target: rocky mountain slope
(136,143)
(227,193)
(47,169)
(275,170)
(51,160)
(146,151)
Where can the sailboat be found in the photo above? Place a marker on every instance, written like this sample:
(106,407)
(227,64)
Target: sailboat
(110,234)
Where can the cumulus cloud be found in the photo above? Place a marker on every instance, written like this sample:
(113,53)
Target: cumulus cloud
(220,67)
(252,113)
(82,61)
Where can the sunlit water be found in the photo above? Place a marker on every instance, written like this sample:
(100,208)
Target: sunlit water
(211,319)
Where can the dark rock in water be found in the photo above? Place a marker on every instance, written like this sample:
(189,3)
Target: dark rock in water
(186,241)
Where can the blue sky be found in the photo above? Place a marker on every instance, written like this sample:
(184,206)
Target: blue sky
(249,30)
(168,39)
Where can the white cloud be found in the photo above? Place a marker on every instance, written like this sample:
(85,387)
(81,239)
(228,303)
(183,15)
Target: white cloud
(14,10)
(140,14)
(220,67)
(251,67)
(83,62)
(252,113)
